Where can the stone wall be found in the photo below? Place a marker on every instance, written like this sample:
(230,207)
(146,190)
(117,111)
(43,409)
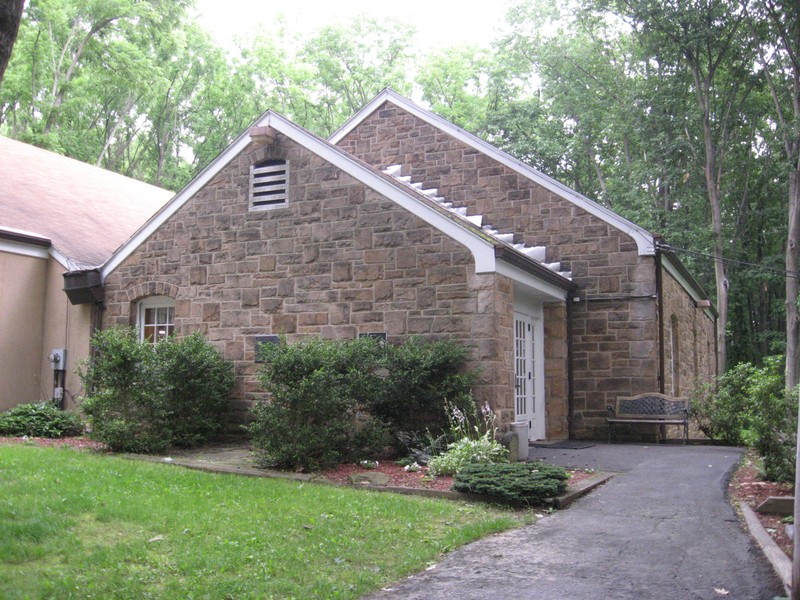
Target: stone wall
(689,332)
(615,328)
(337,261)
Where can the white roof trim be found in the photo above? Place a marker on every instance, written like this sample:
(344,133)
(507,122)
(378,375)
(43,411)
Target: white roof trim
(642,237)
(483,250)
(23,249)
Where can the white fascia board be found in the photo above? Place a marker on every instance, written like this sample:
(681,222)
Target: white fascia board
(534,286)
(23,249)
(177,201)
(642,237)
(61,259)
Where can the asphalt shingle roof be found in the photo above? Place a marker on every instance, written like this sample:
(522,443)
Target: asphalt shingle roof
(85,211)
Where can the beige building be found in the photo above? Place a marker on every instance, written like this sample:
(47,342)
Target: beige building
(56,215)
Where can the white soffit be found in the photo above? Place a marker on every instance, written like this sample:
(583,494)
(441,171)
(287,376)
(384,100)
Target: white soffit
(642,237)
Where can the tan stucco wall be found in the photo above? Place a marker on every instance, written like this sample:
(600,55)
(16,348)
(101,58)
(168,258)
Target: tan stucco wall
(35,318)
(23,280)
(65,326)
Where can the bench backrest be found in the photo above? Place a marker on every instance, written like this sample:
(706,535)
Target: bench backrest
(650,405)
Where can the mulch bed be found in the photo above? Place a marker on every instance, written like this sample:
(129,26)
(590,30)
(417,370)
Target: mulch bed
(747,486)
(399,477)
(81,443)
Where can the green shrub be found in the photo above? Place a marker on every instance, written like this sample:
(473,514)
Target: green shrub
(313,416)
(529,483)
(126,408)
(466,451)
(145,399)
(421,377)
(750,406)
(40,420)
(197,381)
(772,427)
(722,409)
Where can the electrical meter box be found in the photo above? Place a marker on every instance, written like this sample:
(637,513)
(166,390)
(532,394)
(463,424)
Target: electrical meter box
(58,359)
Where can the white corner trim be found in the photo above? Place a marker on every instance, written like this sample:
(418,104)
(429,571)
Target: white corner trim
(642,237)
(22,249)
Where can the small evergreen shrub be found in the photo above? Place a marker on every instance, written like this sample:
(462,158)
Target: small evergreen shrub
(145,399)
(528,483)
(313,415)
(40,420)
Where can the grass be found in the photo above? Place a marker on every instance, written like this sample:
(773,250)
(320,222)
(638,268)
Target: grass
(79,525)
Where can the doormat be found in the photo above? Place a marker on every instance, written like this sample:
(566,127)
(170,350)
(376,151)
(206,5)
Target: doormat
(564,445)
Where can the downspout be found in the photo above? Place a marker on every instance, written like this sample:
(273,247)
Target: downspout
(571,297)
(660,310)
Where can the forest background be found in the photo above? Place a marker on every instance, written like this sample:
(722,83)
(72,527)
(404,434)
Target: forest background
(682,116)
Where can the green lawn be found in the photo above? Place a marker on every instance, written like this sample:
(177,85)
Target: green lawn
(79,525)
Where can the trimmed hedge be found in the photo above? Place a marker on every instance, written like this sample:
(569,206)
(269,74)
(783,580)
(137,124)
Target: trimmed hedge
(145,399)
(331,401)
(527,483)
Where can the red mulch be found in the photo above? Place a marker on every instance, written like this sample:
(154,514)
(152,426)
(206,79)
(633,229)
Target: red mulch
(747,486)
(399,477)
(80,443)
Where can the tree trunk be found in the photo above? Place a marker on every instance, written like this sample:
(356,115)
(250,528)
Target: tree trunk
(792,320)
(10,17)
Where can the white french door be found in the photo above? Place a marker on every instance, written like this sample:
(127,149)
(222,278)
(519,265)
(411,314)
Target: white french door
(528,374)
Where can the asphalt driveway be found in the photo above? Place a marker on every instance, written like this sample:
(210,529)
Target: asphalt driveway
(662,528)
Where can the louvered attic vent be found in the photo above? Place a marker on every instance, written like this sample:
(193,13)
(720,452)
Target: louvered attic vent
(269,181)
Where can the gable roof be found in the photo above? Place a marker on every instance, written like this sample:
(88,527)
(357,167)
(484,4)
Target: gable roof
(489,253)
(643,238)
(85,212)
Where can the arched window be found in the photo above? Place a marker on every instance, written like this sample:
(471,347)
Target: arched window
(675,365)
(155,319)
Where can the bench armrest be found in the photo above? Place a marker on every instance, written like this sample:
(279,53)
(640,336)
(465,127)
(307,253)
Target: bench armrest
(611,412)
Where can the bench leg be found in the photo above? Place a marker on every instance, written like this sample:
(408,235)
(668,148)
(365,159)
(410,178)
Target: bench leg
(610,425)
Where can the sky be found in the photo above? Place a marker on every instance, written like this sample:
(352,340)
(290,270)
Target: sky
(439,23)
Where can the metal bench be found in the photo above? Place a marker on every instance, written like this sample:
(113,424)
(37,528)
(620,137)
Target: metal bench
(650,408)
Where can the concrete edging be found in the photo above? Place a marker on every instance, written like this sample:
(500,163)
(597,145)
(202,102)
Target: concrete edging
(779,561)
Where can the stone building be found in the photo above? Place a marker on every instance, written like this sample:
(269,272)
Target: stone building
(403,224)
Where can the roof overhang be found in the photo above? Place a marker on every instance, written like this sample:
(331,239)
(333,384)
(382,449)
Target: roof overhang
(643,238)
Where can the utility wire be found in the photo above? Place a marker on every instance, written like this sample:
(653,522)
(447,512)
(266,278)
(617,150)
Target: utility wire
(784,272)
